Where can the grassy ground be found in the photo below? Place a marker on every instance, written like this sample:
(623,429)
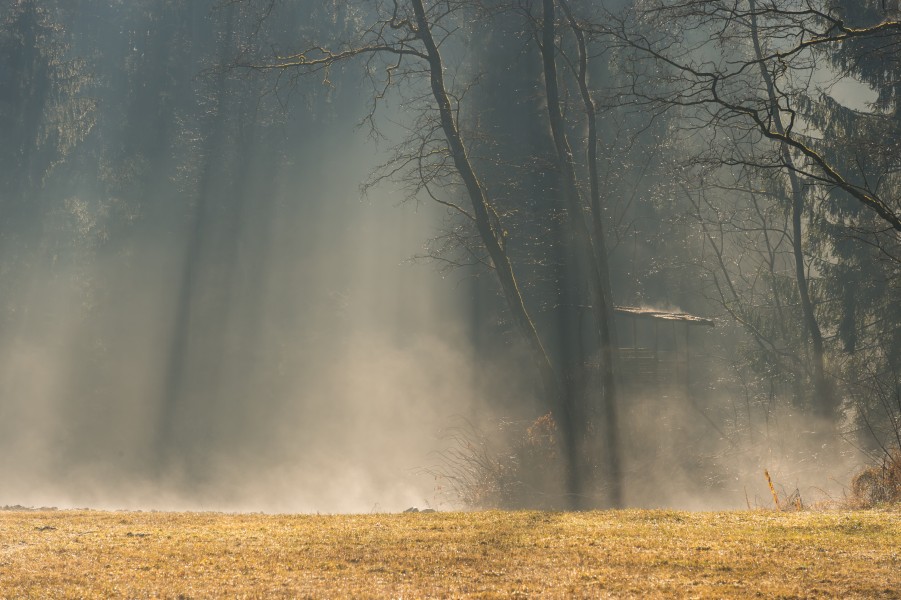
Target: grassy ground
(642,554)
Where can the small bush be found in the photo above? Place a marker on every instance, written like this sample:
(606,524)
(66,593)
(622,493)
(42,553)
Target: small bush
(517,466)
(878,485)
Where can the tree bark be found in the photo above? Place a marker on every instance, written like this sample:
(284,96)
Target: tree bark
(824,400)
(478,198)
(593,251)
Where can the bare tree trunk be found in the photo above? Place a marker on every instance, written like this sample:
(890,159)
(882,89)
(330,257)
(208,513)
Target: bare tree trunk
(824,400)
(594,252)
(487,232)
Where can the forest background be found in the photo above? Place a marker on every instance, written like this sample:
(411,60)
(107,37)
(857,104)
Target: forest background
(197,309)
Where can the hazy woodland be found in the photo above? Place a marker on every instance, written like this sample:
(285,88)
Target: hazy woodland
(301,256)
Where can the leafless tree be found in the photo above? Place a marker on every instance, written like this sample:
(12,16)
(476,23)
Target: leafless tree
(402,46)
(746,75)
(694,56)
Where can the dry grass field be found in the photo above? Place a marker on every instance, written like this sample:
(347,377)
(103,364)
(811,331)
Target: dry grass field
(638,554)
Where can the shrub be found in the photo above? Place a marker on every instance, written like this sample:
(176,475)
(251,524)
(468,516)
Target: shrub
(518,466)
(880,484)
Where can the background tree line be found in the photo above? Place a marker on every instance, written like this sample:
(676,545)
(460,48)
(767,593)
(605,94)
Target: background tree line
(733,160)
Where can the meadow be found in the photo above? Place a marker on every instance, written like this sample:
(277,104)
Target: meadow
(612,554)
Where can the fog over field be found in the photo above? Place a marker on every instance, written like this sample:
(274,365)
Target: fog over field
(316,367)
(295,256)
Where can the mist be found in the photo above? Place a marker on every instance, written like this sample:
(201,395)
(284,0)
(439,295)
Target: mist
(242,272)
(334,359)
(261,340)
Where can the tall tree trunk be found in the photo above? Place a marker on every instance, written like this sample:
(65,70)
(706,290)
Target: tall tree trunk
(592,251)
(478,198)
(824,396)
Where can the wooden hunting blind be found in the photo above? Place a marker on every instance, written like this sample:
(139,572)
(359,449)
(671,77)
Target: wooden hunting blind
(655,348)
